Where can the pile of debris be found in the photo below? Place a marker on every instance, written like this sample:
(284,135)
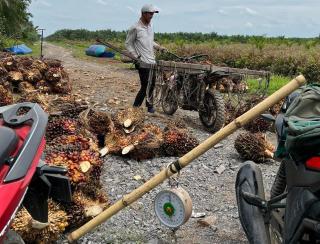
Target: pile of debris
(26,74)
(126,134)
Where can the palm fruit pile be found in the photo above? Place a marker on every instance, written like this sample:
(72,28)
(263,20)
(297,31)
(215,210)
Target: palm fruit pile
(232,84)
(254,146)
(27,227)
(132,138)
(6,97)
(80,156)
(25,74)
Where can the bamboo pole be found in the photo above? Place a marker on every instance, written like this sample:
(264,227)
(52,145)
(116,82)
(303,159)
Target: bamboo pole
(187,158)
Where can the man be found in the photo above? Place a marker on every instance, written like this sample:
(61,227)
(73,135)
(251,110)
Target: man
(140,43)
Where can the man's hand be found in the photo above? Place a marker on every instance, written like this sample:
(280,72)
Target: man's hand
(163,49)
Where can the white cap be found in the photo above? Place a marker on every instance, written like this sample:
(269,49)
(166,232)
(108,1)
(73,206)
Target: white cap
(149,8)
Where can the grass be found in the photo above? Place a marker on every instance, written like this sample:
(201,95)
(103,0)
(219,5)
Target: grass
(35,46)
(276,82)
(78,51)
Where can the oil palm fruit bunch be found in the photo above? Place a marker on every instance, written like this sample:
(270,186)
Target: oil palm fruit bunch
(275,109)
(3,74)
(59,125)
(67,106)
(24,62)
(254,147)
(10,63)
(40,65)
(97,122)
(129,118)
(43,86)
(93,187)
(240,87)
(32,232)
(53,63)
(15,77)
(83,208)
(32,75)
(26,86)
(63,85)
(116,141)
(230,111)
(258,125)
(53,74)
(76,153)
(146,143)
(177,142)
(6,97)
(35,97)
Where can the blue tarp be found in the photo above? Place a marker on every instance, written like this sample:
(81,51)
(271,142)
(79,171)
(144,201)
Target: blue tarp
(19,49)
(99,51)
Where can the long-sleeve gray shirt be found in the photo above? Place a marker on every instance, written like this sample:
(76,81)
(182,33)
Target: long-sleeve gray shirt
(140,42)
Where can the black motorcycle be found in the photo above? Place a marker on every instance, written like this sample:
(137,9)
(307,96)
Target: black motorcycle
(193,90)
(292,214)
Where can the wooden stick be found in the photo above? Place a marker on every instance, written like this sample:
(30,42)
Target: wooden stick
(187,158)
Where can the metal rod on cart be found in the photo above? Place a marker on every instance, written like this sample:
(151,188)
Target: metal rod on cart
(187,158)
(127,54)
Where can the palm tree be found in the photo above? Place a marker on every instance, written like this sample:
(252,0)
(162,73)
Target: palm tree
(14,15)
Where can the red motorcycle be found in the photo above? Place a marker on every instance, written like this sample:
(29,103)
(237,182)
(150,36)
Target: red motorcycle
(25,179)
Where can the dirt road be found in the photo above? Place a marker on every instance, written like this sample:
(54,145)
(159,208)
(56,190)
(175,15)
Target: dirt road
(114,86)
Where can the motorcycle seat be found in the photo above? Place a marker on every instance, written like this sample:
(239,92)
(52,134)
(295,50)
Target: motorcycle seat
(8,143)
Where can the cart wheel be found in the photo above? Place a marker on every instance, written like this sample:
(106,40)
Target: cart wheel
(213,112)
(169,101)
(13,237)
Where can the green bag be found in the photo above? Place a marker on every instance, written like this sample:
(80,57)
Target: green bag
(303,121)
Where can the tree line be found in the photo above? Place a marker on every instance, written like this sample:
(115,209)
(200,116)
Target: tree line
(183,37)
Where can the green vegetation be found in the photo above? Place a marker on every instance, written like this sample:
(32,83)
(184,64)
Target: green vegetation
(276,82)
(282,56)
(15,24)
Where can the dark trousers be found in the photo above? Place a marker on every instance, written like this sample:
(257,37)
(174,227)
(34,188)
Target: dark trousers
(144,77)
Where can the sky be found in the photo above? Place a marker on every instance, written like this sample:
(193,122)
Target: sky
(289,18)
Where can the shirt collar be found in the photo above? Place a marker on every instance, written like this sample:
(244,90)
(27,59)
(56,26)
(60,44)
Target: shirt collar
(143,25)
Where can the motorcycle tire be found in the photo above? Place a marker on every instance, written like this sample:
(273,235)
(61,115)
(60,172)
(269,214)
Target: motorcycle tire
(212,116)
(249,179)
(169,101)
(13,237)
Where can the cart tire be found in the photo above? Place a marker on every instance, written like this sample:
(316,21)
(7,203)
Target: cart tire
(13,237)
(169,101)
(213,114)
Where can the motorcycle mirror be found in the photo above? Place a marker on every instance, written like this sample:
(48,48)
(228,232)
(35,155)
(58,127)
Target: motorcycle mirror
(268,117)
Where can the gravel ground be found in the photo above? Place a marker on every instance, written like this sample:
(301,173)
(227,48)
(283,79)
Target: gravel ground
(212,193)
